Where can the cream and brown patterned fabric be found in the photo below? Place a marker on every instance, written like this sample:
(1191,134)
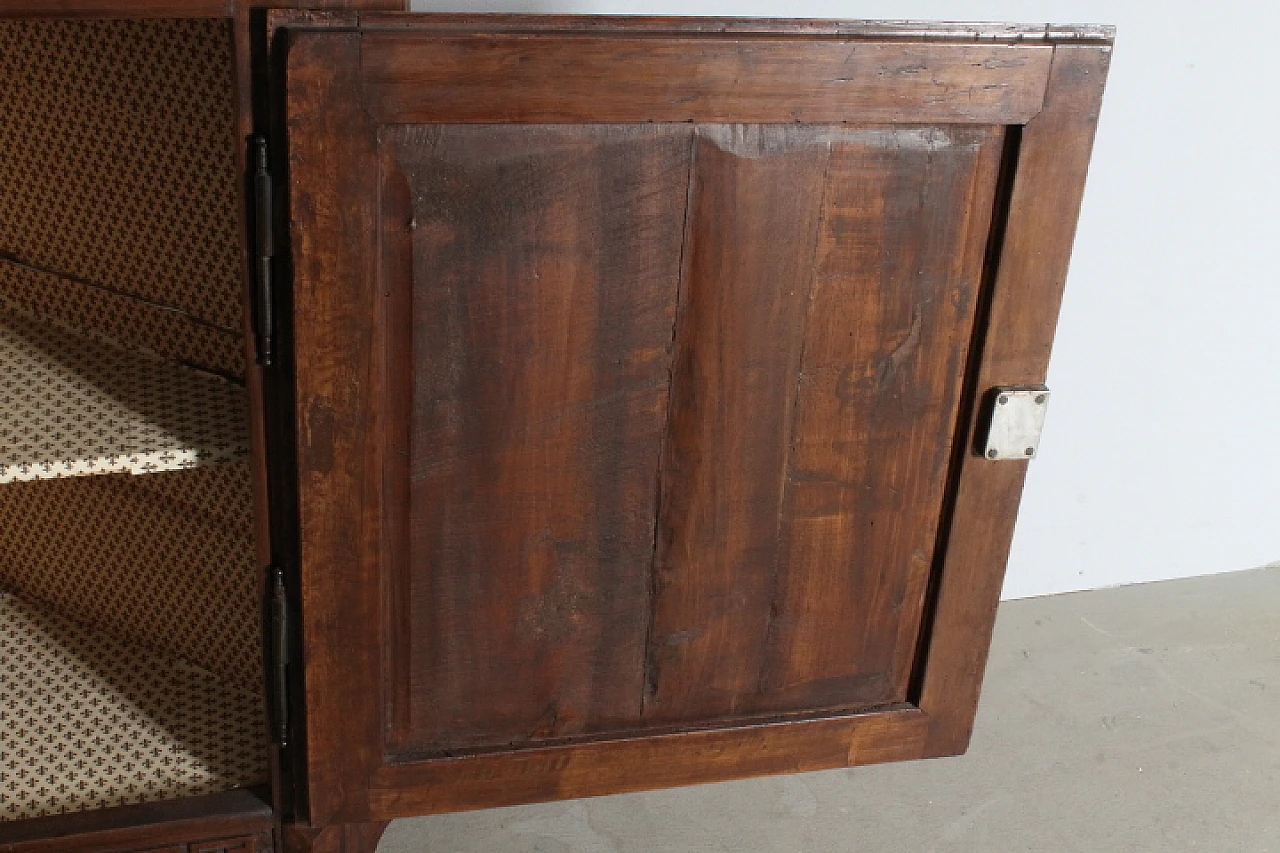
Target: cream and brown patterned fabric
(123,319)
(163,561)
(130,625)
(71,405)
(89,723)
(119,167)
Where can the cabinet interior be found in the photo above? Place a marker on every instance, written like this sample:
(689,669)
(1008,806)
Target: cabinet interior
(130,625)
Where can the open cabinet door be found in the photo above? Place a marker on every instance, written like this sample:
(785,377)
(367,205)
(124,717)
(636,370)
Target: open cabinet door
(639,365)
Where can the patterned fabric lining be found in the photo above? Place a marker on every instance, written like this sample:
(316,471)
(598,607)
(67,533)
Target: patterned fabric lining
(119,164)
(71,405)
(120,257)
(124,320)
(164,561)
(89,723)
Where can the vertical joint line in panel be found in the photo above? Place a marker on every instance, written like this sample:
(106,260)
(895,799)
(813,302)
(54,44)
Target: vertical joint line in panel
(784,490)
(961,438)
(390,596)
(649,678)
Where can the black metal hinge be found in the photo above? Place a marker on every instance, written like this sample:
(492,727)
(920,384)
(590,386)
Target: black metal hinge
(278,605)
(264,250)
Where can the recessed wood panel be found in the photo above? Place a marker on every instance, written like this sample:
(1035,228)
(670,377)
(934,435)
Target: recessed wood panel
(896,280)
(754,218)
(678,415)
(545,269)
(830,299)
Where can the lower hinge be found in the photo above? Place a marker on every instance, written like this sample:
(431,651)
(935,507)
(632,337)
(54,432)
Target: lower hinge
(278,604)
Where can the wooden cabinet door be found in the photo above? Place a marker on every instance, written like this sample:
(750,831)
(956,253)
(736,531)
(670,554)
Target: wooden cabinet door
(637,365)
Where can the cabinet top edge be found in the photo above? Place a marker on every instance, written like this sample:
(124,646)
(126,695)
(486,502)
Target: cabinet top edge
(516,24)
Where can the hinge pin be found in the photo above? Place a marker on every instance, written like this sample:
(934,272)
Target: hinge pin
(280,655)
(264,251)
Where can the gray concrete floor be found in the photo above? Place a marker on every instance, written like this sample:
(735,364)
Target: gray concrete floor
(1144,718)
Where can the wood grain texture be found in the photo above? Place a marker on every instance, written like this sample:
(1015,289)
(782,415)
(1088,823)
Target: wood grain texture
(239,844)
(125,829)
(549,79)
(753,227)
(117,8)
(339,377)
(897,272)
(544,273)
(1031,269)
(645,763)
(174,8)
(335,838)
(946,32)
(830,295)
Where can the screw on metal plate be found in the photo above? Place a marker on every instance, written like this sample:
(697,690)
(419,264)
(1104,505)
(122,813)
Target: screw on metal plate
(1015,422)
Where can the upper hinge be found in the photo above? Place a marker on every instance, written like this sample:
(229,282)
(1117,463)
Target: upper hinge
(264,251)
(278,606)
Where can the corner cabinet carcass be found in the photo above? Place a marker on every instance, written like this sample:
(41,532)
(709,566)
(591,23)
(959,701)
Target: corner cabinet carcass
(633,390)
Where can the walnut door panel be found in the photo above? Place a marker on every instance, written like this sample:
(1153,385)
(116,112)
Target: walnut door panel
(825,324)
(632,404)
(665,381)
(544,270)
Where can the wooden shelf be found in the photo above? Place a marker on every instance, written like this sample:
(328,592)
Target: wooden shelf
(94,721)
(72,405)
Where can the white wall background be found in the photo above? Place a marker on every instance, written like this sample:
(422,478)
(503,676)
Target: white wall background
(1160,457)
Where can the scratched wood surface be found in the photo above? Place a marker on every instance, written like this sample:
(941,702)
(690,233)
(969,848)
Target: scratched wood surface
(896,277)
(614,26)
(239,820)
(545,268)
(829,305)
(681,404)
(1030,270)
(754,210)
(450,78)
(641,470)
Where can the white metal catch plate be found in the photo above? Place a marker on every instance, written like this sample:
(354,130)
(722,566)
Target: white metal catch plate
(1017,416)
